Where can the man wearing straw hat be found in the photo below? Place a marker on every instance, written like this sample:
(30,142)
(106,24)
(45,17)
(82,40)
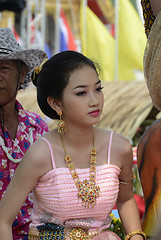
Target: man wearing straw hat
(18,128)
(149,147)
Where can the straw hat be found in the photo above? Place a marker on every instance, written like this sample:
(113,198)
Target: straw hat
(152,62)
(10,49)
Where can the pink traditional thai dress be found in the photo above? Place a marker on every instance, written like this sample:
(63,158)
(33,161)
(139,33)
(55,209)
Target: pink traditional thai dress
(56,205)
(31,127)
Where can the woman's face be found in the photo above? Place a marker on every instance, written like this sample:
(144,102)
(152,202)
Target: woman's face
(82,101)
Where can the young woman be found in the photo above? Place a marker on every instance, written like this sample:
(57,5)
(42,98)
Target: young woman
(78,171)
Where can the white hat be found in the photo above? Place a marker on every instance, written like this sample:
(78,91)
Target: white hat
(10,49)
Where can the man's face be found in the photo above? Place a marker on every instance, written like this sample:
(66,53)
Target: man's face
(9,74)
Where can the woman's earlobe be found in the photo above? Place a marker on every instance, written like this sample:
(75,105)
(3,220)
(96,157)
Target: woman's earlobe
(53,104)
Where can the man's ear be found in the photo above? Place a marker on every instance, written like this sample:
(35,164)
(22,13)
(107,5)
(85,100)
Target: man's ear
(23,74)
(54,104)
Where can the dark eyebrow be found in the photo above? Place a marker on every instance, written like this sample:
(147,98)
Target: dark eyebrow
(83,86)
(80,86)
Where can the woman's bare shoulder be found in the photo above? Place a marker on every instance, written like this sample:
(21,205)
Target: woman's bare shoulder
(118,140)
(39,155)
(121,142)
(121,151)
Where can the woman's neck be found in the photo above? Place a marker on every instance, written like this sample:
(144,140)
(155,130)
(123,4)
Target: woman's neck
(81,137)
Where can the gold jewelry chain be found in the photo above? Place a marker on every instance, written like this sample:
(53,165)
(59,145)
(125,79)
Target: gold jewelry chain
(88,191)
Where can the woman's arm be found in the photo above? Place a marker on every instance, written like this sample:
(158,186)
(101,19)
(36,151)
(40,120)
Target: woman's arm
(32,167)
(126,203)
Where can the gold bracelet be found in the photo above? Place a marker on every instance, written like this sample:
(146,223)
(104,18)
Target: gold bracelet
(132,178)
(139,232)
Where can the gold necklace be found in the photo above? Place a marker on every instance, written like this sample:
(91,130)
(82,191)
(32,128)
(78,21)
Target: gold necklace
(88,191)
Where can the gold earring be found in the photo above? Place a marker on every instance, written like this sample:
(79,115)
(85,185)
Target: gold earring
(61,125)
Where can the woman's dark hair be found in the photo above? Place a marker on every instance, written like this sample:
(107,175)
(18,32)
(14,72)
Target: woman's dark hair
(54,77)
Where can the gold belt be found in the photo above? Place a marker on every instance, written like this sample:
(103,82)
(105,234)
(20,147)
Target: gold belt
(70,234)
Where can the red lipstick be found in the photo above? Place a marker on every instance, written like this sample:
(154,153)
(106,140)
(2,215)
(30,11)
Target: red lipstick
(94,113)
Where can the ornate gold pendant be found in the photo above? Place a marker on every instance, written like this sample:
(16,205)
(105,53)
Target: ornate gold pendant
(88,192)
(77,234)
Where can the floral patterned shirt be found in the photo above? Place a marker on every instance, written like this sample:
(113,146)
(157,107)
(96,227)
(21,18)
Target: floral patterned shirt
(31,126)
